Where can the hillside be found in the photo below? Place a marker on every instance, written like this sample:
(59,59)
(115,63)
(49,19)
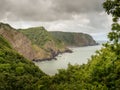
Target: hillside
(18,41)
(74,39)
(41,38)
(52,43)
(16,72)
(37,45)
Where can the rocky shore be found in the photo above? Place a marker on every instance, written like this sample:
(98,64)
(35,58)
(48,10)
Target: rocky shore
(54,55)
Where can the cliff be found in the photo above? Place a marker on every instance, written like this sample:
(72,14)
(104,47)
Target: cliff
(74,39)
(42,39)
(35,44)
(18,41)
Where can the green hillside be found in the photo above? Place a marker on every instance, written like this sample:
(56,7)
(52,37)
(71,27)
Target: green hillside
(33,43)
(38,35)
(16,72)
(41,38)
(74,39)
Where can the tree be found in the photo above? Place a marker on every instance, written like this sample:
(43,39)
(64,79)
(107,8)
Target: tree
(112,7)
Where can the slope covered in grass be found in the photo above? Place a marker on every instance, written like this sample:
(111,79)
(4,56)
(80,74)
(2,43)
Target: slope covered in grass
(34,44)
(74,39)
(40,36)
(44,40)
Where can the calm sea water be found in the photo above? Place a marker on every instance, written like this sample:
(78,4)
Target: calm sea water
(79,56)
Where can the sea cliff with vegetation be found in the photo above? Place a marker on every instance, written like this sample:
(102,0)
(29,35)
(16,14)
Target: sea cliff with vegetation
(54,43)
(41,39)
(72,39)
(36,45)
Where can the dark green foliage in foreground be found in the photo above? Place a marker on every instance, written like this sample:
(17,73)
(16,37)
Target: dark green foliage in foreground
(113,7)
(101,73)
(16,72)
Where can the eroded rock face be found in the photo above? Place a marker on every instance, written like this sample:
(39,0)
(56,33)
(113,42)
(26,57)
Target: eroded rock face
(18,41)
(23,45)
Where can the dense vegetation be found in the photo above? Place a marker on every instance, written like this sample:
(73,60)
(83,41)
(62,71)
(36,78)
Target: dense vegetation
(74,39)
(102,72)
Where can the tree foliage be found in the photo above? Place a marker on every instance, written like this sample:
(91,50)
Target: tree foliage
(16,72)
(112,7)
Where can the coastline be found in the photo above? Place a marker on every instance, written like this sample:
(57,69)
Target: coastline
(80,56)
(54,55)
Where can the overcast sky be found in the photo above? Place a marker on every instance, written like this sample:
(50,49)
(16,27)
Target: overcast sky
(86,16)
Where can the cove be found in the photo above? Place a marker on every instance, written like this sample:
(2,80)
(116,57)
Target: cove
(80,55)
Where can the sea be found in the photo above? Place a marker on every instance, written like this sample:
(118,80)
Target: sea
(80,55)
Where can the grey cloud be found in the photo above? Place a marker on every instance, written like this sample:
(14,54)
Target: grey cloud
(46,10)
(97,20)
(64,15)
(4,8)
(78,6)
(25,9)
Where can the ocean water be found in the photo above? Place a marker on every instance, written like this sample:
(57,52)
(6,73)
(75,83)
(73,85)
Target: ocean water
(80,55)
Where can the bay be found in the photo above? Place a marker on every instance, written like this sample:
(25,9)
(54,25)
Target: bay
(80,55)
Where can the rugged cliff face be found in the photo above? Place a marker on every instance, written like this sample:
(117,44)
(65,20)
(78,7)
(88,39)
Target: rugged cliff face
(41,38)
(74,39)
(34,44)
(18,41)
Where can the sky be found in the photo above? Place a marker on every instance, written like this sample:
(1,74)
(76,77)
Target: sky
(87,16)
